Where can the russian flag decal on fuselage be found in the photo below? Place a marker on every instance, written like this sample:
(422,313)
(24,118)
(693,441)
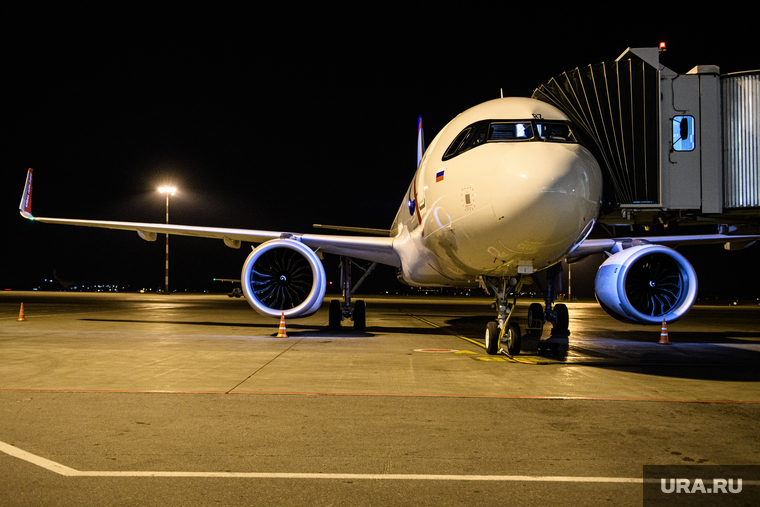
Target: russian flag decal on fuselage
(439,176)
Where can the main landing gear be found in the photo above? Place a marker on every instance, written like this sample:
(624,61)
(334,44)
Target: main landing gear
(340,310)
(503,334)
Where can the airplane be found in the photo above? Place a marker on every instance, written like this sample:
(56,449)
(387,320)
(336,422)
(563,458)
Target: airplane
(505,190)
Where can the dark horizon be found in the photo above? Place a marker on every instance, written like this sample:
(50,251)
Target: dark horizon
(315,124)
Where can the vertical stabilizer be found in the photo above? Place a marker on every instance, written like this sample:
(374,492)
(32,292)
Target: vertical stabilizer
(25,206)
(420,141)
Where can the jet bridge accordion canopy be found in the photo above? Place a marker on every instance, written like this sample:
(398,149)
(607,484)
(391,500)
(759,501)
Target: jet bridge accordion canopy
(617,106)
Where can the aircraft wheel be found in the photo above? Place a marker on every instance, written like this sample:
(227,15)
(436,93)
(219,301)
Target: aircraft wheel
(360,315)
(336,315)
(492,337)
(512,340)
(562,321)
(535,318)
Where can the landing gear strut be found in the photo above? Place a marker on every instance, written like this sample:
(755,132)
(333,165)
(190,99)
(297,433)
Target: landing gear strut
(556,314)
(342,310)
(502,333)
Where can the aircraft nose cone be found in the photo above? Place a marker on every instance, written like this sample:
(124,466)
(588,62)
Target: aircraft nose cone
(545,194)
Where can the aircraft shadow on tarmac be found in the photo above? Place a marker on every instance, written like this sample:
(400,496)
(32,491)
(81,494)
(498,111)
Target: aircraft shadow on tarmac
(692,355)
(346,331)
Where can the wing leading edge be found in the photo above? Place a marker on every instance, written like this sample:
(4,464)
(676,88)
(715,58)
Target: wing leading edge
(375,249)
(594,246)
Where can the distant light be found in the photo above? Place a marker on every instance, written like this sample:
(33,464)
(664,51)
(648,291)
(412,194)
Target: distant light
(662,47)
(169,190)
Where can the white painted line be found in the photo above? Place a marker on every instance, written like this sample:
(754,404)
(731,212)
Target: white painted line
(70,472)
(394,477)
(37,460)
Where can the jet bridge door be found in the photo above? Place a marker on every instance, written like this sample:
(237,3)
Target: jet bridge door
(681,146)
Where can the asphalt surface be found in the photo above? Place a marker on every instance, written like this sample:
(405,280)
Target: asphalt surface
(123,399)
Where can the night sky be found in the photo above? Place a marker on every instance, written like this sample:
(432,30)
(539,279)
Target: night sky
(270,120)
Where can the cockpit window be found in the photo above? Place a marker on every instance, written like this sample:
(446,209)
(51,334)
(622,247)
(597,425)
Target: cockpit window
(510,131)
(472,136)
(499,131)
(555,132)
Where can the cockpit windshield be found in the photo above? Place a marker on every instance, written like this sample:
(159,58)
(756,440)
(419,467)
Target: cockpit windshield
(498,131)
(555,132)
(510,131)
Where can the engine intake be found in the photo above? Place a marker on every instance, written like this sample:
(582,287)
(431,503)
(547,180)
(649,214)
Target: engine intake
(283,276)
(645,284)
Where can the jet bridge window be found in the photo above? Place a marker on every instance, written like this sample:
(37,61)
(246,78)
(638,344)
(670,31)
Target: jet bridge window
(683,133)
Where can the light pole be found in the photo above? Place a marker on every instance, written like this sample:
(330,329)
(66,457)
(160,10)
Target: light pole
(168,191)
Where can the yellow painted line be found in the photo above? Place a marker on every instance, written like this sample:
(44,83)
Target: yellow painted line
(482,346)
(439,327)
(529,361)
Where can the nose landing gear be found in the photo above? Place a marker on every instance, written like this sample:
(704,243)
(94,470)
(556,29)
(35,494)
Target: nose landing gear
(503,333)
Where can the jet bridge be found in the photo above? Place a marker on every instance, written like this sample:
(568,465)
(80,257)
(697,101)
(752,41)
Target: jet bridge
(673,147)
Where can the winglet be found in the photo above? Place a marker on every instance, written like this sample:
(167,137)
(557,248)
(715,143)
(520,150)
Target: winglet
(420,141)
(25,206)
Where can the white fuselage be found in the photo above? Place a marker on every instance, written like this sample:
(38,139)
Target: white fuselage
(519,198)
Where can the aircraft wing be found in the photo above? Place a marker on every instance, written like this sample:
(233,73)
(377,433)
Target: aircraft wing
(593,246)
(375,249)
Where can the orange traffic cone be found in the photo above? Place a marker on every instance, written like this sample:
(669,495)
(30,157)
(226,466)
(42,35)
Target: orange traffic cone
(21,314)
(664,334)
(282,333)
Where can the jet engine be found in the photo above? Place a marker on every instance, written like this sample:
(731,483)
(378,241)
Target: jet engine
(283,276)
(646,283)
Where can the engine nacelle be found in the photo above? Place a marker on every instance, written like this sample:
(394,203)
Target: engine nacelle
(645,284)
(284,276)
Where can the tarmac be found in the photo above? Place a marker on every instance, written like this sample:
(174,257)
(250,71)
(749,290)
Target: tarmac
(120,399)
